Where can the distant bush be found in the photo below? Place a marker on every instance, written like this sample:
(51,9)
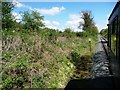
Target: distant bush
(104,32)
(79,34)
(69,33)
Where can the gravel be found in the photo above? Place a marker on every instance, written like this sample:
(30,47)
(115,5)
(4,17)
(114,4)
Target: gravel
(100,62)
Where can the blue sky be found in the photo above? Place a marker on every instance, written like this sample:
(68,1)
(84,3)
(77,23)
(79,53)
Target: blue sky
(62,15)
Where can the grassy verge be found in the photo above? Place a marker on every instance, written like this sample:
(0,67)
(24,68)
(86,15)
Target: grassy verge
(44,59)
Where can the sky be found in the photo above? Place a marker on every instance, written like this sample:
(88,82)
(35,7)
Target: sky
(61,15)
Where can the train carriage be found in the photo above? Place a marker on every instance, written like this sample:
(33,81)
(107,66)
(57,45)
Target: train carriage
(114,40)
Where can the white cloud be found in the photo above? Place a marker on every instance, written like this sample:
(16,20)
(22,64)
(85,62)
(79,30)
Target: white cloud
(47,22)
(73,22)
(18,4)
(55,23)
(17,16)
(52,27)
(52,24)
(51,11)
(101,26)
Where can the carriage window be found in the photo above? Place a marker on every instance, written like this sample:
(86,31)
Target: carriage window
(118,44)
(113,36)
(113,27)
(109,34)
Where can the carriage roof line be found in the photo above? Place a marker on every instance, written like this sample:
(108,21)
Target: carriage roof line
(115,12)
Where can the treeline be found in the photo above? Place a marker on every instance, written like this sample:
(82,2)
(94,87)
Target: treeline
(104,32)
(33,21)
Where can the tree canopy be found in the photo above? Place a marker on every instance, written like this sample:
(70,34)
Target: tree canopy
(7,19)
(88,25)
(32,20)
(104,32)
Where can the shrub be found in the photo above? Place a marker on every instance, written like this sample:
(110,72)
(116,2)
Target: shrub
(75,58)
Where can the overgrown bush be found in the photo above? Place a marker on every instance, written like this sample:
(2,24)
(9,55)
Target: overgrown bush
(15,75)
(37,59)
(75,58)
(69,33)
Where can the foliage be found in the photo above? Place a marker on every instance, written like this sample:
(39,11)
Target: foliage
(88,25)
(32,21)
(7,20)
(34,56)
(68,33)
(16,74)
(32,60)
(94,30)
(75,58)
(79,34)
(104,32)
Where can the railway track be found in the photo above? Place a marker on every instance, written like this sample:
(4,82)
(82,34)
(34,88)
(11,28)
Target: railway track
(113,64)
(101,62)
(104,42)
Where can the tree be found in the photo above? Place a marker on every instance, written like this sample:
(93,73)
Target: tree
(68,30)
(88,25)
(7,20)
(104,32)
(33,20)
(69,33)
(95,30)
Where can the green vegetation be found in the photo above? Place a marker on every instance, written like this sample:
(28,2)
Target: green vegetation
(88,25)
(32,21)
(104,32)
(40,57)
(6,15)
